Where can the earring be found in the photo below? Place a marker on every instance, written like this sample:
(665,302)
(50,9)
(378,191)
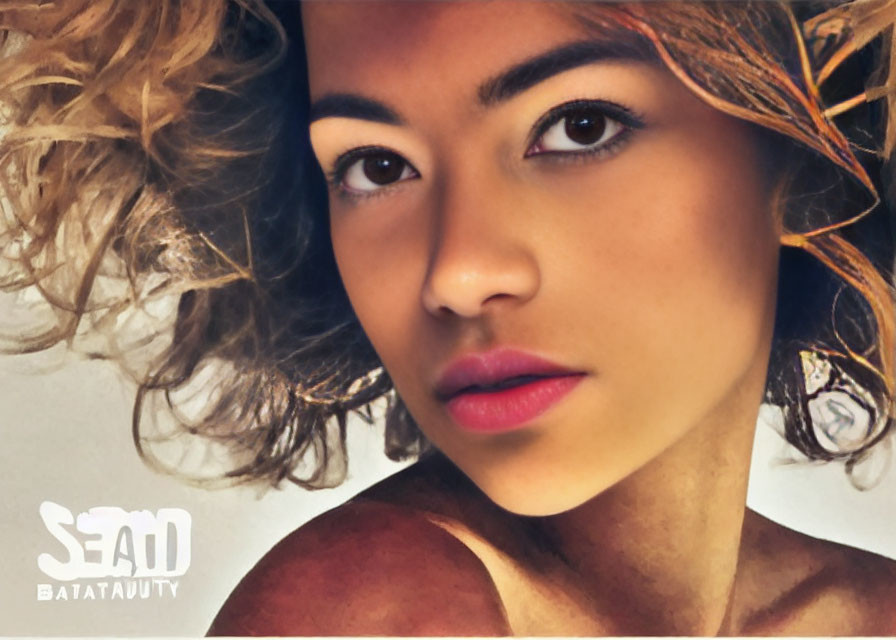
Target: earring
(843,413)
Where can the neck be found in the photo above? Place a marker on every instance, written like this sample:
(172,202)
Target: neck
(658,552)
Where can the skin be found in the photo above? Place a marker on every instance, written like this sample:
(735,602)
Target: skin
(651,267)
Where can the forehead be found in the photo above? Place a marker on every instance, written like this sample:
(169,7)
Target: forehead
(377,47)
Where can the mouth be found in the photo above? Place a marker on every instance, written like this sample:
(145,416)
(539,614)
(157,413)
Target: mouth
(503,389)
(500,385)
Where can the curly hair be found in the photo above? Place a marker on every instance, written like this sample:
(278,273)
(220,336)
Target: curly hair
(157,151)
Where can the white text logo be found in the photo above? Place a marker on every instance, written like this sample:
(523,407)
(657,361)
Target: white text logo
(109,542)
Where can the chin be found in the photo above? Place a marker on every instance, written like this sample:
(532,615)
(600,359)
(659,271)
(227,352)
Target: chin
(538,497)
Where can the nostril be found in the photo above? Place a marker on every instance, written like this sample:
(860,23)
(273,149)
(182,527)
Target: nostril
(498,298)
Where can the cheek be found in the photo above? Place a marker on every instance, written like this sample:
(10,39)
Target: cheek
(707,299)
(380,269)
(708,246)
(681,265)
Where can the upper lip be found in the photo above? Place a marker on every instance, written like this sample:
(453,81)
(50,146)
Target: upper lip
(493,367)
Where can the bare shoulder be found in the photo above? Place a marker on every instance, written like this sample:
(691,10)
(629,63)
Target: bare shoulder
(821,587)
(870,581)
(365,568)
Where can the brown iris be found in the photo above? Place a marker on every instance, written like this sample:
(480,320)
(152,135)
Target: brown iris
(383,168)
(585,126)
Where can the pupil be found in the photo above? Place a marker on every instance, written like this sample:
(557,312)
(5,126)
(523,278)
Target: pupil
(383,168)
(585,127)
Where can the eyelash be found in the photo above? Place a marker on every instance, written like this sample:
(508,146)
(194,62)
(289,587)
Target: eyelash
(628,118)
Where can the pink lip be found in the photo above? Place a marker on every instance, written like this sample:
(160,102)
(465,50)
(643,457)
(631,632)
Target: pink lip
(465,384)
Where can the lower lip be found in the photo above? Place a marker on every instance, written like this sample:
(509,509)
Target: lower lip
(512,408)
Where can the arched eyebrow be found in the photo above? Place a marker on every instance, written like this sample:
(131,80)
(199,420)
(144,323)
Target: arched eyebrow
(350,105)
(500,88)
(533,71)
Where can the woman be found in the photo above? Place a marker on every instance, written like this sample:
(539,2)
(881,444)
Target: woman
(555,230)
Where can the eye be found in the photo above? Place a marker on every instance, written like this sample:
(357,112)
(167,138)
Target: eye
(582,127)
(366,170)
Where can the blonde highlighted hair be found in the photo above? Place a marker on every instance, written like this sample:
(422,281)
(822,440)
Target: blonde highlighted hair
(162,145)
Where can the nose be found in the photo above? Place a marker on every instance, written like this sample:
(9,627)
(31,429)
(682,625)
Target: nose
(480,258)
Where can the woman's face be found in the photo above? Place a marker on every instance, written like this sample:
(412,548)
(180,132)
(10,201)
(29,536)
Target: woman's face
(564,267)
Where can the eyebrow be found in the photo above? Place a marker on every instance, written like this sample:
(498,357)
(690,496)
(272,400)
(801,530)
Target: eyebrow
(527,74)
(500,88)
(349,105)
